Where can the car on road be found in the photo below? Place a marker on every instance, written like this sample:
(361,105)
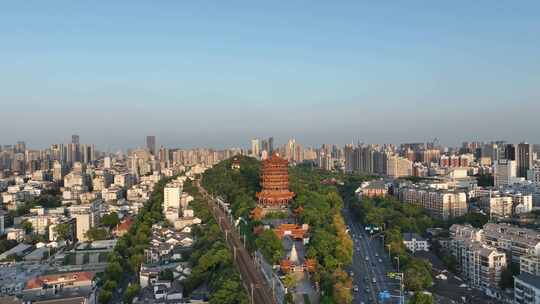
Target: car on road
(355,288)
(351,273)
(380,260)
(367,258)
(376,254)
(374,280)
(367,289)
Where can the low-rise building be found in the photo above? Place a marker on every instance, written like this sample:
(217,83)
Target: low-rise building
(71,287)
(415,242)
(372,189)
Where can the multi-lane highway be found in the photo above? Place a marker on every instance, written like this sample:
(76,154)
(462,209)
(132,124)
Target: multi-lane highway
(370,266)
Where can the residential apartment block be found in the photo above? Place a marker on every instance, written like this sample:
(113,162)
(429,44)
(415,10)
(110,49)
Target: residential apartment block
(442,204)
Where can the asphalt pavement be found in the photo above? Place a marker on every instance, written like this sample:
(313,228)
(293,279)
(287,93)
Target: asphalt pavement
(370,266)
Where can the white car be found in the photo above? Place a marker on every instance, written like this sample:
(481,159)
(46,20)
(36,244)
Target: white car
(355,288)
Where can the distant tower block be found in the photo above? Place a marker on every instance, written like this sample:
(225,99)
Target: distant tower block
(275,192)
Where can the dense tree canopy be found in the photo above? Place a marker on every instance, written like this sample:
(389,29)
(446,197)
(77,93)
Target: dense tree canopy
(211,259)
(110,220)
(270,246)
(321,205)
(62,231)
(421,298)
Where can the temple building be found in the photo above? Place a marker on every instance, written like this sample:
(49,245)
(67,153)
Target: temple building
(275,192)
(235,163)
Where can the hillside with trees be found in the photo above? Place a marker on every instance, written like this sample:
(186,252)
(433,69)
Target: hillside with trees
(320,203)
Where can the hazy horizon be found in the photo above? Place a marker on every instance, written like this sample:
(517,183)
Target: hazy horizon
(219,74)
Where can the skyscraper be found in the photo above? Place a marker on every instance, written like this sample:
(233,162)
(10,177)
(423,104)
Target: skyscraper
(510,152)
(270,145)
(505,172)
(255,147)
(20,147)
(524,158)
(75,139)
(151,144)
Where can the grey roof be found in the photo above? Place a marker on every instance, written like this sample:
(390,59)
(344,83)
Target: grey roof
(408,236)
(377,184)
(21,248)
(529,279)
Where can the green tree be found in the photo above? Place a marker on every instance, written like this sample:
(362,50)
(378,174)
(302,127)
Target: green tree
(289,299)
(417,275)
(131,292)
(27,226)
(166,275)
(97,234)
(110,285)
(114,271)
(421,298)
(230,292)
(104,297)
(135,262)
(270,246)
(289,281)
(62,231)
(110,220)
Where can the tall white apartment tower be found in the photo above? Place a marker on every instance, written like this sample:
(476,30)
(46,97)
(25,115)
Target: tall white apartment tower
(255,147)
(505,172)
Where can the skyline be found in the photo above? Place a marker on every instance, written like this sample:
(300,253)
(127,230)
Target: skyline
(248,144)
(220,74)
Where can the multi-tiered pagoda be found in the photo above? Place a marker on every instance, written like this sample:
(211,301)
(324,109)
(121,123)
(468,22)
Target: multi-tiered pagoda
(275,192)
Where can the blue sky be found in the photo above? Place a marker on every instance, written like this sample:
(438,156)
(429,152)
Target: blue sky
(216,73)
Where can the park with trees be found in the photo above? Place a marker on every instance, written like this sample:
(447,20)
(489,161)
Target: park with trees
(320,203)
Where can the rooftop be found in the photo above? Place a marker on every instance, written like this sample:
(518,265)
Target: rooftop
(529,279)
(408,236)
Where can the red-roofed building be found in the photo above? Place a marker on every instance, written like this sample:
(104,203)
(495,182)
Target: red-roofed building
(61,280)
(296,232)
(123,227)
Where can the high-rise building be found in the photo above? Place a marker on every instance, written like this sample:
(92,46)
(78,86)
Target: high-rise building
(87,153)
(171,195)
(524,159)
(526,289)
(20,147)
(151,144)
(255,148)
(505,172)
(58,171)
(75,139)
(510,152)
(270,145)
(86,217)
(107,162)
(479,264)
(442,204)
(533,175)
